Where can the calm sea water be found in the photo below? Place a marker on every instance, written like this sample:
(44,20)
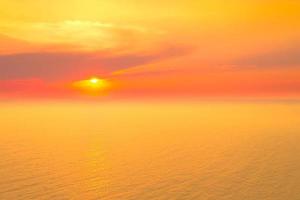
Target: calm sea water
(128,151)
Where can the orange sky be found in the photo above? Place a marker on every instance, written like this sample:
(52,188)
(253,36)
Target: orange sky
(216,48)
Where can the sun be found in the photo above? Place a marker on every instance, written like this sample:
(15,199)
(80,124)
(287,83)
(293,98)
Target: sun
(94,80)
(93,85)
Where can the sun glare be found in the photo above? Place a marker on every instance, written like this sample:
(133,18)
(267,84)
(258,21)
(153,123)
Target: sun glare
(94,80)
(92,85)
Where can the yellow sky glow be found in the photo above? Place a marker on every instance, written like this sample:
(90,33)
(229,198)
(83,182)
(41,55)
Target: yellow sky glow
(136,43)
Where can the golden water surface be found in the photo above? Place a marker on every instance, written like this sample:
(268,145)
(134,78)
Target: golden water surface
(150,151)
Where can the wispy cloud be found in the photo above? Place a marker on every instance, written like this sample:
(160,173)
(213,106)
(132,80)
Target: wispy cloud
(76,35)
(287,56)
(66,65)
(78,48)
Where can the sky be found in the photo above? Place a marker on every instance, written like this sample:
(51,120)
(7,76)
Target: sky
(191,48)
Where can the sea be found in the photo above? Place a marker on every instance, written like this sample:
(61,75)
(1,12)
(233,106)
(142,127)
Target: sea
(227,150)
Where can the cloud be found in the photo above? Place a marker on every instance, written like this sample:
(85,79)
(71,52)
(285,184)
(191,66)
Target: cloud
(281,57)
(76,35)
(63,65)
(65,49)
